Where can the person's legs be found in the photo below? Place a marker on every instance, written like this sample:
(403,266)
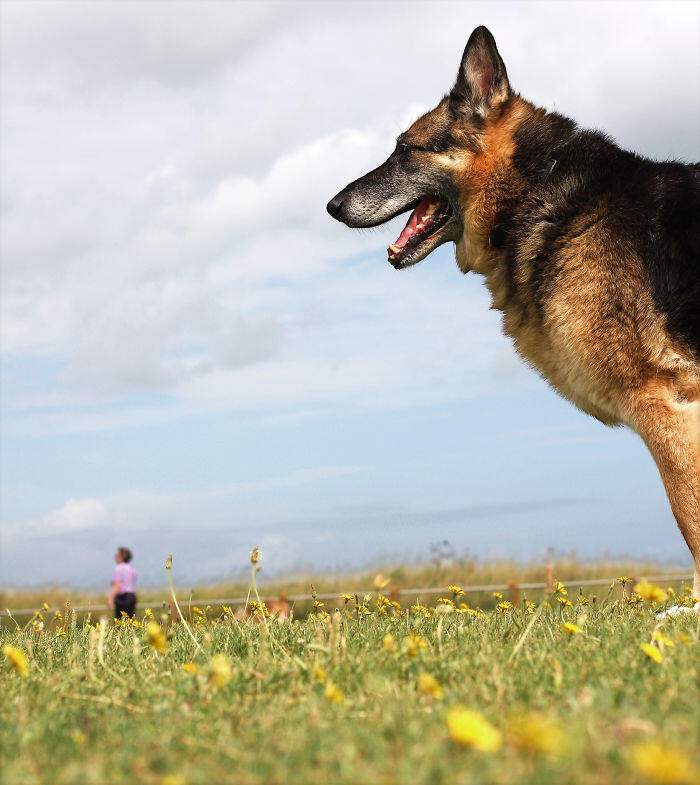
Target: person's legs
(125,602)
(119,605)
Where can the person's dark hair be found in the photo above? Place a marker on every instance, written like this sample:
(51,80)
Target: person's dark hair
(125,553)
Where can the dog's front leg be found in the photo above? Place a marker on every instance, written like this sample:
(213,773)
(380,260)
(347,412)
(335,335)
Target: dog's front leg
(671,430)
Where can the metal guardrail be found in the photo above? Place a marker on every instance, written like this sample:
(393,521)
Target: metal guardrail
(489,587)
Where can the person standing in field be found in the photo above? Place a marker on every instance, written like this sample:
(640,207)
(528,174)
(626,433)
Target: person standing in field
(123,595)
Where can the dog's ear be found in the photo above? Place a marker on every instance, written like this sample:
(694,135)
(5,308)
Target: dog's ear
(482,81)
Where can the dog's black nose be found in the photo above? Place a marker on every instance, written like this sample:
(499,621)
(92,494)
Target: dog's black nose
(334,206)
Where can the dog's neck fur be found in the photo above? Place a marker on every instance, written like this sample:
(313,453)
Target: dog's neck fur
(521,145)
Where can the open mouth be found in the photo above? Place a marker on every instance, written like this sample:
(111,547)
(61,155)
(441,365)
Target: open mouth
(414,243)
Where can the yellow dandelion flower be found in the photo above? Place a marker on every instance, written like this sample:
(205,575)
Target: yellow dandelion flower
(333,693)
(413,644)
(472,730)
(347,597)
(537,734)
(664,763)
(17,657)
(571,628)
(219,670)
(318,604)
(191,668)
(623,579)
(255,555)
(564,602)
(662,638)
(45,606)
(498,595)
(650,591)
(457,591)
(429,685)
(77,737)
(169,562)
(445,601)
(390,644)
(61,632)
(172,779)
(156,636)
(320,672)
(58,616)
(380,581)
(652,652)
(560,588)
(504,607)
(148,613)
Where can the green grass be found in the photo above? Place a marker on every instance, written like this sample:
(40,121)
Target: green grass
(120,711)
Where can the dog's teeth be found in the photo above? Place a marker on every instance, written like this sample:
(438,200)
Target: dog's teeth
(431,208)
(394,249)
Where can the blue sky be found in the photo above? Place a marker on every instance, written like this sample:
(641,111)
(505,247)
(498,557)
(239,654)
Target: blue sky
(197,360)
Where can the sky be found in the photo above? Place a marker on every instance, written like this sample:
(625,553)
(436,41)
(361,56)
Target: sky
(196,359)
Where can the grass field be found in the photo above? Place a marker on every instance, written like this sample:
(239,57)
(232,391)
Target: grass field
(557,690)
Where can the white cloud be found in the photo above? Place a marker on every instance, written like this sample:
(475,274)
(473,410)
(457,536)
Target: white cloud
(75,515)
(138,510)
(165,173)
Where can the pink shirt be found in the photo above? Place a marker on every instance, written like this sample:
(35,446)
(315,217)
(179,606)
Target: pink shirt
(125,574)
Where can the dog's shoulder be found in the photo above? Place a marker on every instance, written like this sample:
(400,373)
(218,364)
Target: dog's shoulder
(639,209)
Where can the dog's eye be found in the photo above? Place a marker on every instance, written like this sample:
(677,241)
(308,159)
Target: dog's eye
(402,147)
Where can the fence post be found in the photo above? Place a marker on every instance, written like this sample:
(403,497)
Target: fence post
(513,589)
(549,580)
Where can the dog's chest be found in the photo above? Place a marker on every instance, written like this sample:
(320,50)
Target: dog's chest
(563,365)
(555,336)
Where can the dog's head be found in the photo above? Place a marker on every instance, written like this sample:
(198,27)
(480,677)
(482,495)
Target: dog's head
(434,165)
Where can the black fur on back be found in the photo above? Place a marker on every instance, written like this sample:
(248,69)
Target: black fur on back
(650,207)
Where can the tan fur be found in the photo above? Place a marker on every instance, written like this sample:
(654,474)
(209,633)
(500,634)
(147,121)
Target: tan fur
(624,370)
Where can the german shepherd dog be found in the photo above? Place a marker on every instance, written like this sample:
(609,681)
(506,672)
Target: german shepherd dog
(592,254)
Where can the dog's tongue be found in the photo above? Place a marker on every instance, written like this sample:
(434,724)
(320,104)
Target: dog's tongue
(426,207)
